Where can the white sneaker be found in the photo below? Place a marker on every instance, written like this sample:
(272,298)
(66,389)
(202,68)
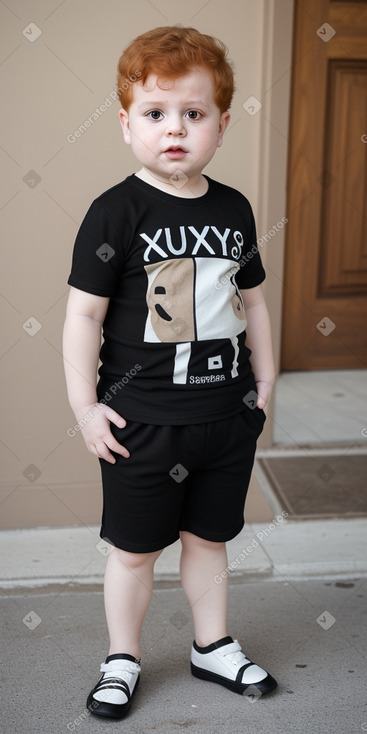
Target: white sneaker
(113,693)
(224,662)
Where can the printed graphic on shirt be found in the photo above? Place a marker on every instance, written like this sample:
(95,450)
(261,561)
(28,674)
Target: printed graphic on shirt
(185,307)
(189,240)
(170,299)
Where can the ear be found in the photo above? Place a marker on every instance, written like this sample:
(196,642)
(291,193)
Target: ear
(124,122)
(223,124)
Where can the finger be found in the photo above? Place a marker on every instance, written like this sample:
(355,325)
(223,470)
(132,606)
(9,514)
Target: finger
(261,402)
(102,452)
(115,418)
(118,448)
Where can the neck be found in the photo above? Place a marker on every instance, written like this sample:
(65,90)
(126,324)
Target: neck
(192,188)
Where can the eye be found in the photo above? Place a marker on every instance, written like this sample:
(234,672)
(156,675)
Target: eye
(154,115)
(194,114)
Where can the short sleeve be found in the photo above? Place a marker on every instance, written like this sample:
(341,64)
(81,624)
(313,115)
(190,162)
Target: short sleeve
(97,260)
(251,272)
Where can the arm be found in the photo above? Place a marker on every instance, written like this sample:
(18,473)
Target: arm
(258,339)
(81,344)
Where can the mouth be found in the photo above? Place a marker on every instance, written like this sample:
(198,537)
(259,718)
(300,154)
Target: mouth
(175,151)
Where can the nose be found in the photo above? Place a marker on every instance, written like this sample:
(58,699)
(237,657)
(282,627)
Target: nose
(175,126)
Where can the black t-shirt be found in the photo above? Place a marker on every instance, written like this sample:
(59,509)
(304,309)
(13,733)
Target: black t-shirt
(174,334)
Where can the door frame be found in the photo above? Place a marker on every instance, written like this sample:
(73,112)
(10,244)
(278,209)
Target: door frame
(273,167)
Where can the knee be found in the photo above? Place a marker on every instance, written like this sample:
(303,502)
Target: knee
(134,561)
(191,542)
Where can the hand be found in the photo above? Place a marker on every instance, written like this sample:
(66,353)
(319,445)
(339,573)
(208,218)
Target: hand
(263,390)
(94,421)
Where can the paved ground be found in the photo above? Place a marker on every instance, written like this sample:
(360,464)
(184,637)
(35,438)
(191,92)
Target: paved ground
(47,671)
(320,407)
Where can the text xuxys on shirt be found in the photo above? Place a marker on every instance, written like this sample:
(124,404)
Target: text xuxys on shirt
(174,334)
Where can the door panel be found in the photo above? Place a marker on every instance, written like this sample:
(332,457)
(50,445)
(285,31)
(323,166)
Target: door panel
(343,268)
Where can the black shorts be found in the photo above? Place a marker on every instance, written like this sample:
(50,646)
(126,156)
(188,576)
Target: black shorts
(192,477)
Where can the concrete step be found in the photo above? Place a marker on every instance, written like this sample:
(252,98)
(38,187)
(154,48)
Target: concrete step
(76,556)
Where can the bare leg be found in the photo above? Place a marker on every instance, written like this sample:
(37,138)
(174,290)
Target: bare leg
(128,587)
(201,561)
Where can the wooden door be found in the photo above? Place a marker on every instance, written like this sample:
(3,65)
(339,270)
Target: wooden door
(325,278)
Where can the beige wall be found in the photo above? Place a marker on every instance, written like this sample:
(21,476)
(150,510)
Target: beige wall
(50,86)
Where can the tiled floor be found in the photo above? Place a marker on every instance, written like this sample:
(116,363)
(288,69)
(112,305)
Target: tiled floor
(321,407)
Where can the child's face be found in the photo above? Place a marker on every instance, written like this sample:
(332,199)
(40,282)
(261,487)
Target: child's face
(176,128)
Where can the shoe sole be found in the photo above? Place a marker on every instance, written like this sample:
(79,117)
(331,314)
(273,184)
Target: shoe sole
(264,686)
(110,710)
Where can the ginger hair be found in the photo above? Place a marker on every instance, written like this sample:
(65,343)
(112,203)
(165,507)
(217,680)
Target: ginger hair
(170,52)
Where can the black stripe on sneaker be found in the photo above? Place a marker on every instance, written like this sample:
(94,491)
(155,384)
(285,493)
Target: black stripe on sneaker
(213,646)
(122,656)
(241,672)
(113,683)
